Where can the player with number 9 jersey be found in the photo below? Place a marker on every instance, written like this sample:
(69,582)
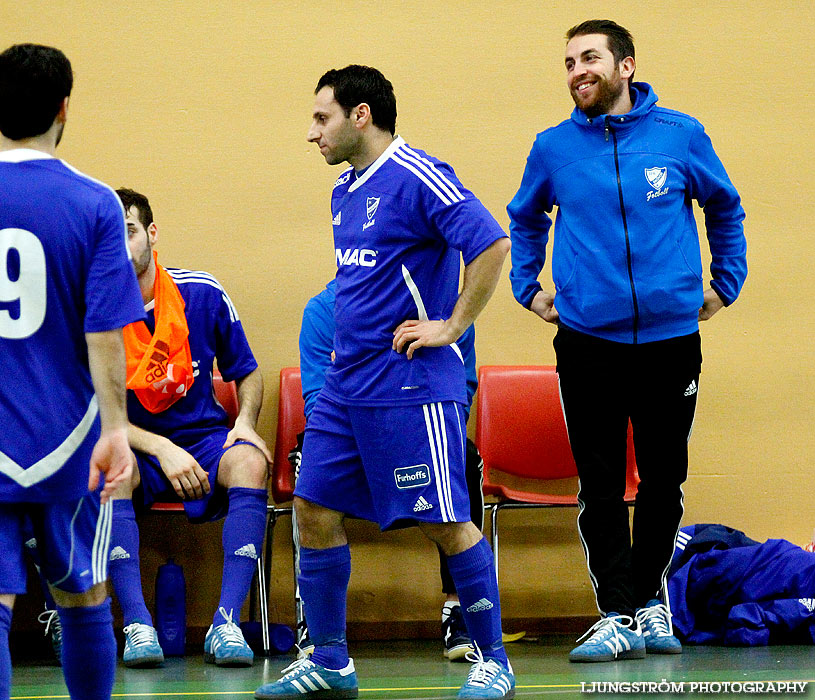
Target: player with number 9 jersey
(65,271)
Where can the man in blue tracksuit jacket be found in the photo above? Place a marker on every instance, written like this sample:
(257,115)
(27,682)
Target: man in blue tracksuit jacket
(628,298)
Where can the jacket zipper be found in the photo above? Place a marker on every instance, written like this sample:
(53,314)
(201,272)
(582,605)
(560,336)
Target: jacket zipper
(625,228)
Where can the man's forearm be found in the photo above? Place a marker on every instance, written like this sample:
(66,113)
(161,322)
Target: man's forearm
(106,358)
(145,441)
(250,396)
(480,279)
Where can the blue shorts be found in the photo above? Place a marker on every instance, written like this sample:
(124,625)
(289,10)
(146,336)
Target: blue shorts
(395,465)
(73,539)
(155,486)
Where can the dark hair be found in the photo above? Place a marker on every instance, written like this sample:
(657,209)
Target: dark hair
(355,84)
(34,80)
(620,41)
(131,198)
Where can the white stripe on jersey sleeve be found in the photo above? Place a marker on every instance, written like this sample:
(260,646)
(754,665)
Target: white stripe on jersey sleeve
(422,176)
(186,276)
(429,167)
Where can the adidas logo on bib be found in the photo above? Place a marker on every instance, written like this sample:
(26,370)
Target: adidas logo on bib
(248,550)
(480,606)
(421,505)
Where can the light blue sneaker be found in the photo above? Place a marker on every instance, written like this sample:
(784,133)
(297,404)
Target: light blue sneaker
(657,628)
(488,678)
(141,646)
(304,679)
(609,639)
(224,645)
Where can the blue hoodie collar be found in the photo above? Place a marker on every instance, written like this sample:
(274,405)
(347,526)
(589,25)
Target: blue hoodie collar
(642,96)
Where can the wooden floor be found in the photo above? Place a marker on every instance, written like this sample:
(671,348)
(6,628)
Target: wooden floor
(407,670)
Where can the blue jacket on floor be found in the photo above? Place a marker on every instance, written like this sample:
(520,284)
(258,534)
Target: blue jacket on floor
(727,589)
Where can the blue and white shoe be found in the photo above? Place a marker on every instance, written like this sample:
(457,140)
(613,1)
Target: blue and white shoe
(142,649)
(53,630)
(224,645)
(305,647)
(305,679)
(456,639)
(488,678)
(609,639)
(657,628)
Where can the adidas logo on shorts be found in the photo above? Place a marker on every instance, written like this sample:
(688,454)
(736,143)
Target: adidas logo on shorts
(421,505)
(118,553)
(248,550)
(808,603)
(480,606)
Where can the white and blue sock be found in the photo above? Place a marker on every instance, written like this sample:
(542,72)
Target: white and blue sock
(473,572)
(244,527)
(324,576)
(123,565)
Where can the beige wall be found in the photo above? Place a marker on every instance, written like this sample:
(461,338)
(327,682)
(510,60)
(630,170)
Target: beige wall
(204,106)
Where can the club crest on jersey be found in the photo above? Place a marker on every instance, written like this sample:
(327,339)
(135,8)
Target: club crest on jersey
(371,205)
(411,477)
(656,178)
(356,256)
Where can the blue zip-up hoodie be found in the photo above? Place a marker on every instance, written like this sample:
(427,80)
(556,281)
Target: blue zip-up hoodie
(626,261)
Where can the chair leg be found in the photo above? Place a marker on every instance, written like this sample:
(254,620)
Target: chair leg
(264,606)
(299,612)
(494,535)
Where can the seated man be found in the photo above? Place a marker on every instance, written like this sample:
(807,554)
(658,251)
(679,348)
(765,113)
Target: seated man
(183,447)
(316,348)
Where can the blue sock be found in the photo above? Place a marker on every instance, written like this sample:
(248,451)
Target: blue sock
(324,576)
(473,572)
(88,651)
(5,654)
(244,527)
(123,566)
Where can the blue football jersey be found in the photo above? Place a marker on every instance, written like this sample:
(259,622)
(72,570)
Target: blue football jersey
(65,270)
(317,342)
(400,230)
(216,332)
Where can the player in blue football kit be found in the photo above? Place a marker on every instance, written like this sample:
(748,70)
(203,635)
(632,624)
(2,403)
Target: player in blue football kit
(316,344)
(386,438)
(184,448)
(66,290)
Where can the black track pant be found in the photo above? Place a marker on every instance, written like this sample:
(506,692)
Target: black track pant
(603,384)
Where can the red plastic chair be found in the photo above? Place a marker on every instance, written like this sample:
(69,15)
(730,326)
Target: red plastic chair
(521,434)
(227,395)
(291,420)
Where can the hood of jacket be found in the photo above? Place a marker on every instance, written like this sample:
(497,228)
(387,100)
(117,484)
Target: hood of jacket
(643,98)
